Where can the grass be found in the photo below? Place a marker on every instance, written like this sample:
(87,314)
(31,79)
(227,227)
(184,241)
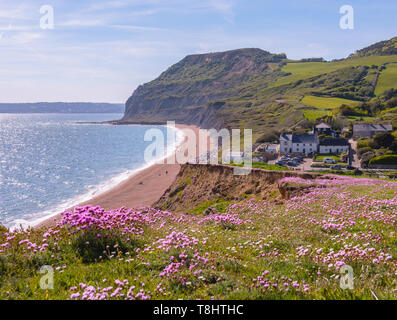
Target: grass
(326,103)
(321,158)
(307,70)
(263,165)
(258,250)
(315,114)
(387,79)
(220,205)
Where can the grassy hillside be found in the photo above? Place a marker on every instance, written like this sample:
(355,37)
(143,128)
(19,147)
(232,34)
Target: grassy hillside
(387,79)
(251,249)
(299,71)
(387,47)
(326,103)
(252,88)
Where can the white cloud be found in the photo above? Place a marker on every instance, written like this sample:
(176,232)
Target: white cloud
(25,37)
(83,23)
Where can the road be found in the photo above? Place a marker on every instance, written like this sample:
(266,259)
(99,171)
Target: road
(355,162)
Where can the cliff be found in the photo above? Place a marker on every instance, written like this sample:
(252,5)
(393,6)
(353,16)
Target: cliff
(189,90)
(198,184)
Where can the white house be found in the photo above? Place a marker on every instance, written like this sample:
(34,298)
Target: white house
(334,146)
(298,143)
(272,148)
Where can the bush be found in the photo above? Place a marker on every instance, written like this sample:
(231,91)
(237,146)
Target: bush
(95,243)
(383,140)
(389,159)
(358,172)
(3,229)
(364,150)
(366,157)
(382,152)
(362,143)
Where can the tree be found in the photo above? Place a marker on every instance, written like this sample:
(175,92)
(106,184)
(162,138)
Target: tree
(346,110)
(388,94)
(384,140)
(393,146)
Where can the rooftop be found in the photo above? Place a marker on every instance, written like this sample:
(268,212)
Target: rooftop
(323,125)
(373,127)
(299,138)
(334,142)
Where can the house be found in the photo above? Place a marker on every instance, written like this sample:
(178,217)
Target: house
(334,146)
(268,151)
(268,148)
(298,143)
(324,129)
(370,130)
(236,156)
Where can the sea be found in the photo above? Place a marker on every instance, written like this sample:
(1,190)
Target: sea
(50,162)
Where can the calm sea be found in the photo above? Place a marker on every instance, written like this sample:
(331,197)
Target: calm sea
(49,162)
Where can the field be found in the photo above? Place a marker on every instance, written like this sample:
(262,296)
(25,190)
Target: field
(326,103)
(387,79)
(310,69)
(315,114)
(250,249)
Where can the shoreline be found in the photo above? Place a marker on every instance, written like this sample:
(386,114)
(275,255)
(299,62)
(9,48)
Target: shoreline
(143,188)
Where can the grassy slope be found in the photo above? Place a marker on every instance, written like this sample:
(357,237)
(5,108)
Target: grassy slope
(326,103)
(250,250)
(387,79)
(323,106)
(257,108)
(307,70)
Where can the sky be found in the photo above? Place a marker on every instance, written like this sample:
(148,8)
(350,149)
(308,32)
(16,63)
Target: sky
(100,51)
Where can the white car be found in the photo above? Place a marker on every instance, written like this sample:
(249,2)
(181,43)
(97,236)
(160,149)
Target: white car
(329,160)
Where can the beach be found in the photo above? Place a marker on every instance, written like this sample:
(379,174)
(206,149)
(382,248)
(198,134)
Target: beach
(141,189)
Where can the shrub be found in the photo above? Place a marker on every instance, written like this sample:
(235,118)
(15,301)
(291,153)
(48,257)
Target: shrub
(358,172)
(362,143)
(364,150)
(366,157)
(3,229)
(384,140)
(95,243)
(385,159)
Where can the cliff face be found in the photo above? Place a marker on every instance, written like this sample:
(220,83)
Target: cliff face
(197,184)
(183,92)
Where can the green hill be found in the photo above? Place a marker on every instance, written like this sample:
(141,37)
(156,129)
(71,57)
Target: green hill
(382,48)
(252,88)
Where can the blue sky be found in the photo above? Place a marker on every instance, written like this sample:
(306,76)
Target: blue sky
(101,50)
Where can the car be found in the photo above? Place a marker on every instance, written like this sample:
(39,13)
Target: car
(336,167)
(292,163)
(329,160)
(280,163)
(351,168)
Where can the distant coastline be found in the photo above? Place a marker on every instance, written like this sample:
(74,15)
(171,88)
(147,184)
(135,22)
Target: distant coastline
(62,107)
